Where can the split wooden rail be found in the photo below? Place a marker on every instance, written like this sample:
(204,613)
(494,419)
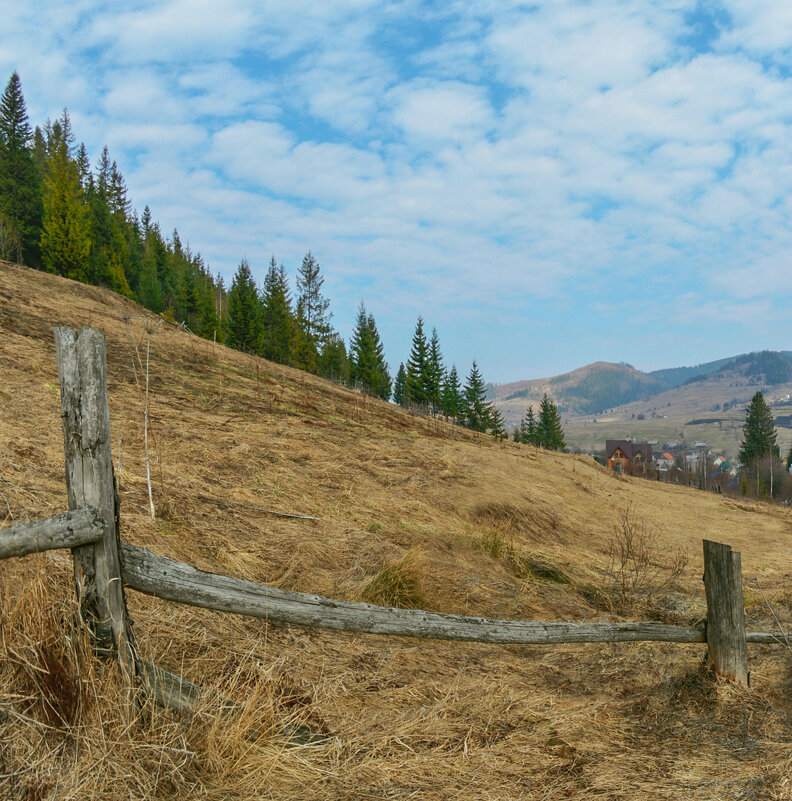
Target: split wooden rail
(103,565)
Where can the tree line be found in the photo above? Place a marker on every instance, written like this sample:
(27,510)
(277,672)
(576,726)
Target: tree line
(59,214)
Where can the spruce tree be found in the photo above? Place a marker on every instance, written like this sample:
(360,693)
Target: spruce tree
(367,366)
(243,321)
(476,414)
(451,398)
(759,432)
(399,385)
(20,197)
(313,315)
(65,236)
(528,428)
(418,371)
(436,373)
(333,361)
(550,434)
(277,319)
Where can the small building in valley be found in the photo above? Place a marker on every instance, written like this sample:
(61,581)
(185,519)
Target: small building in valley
(621,453)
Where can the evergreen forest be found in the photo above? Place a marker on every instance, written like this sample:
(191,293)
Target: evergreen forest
(61,214)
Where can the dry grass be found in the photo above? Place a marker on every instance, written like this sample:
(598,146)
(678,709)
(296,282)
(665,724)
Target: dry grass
(478,527)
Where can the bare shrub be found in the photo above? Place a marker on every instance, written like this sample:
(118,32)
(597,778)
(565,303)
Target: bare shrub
(639,572)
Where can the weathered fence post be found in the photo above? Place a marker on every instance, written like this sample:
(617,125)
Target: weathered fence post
(726,642)
(82,371)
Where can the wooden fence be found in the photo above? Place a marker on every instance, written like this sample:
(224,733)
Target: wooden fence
(103,565)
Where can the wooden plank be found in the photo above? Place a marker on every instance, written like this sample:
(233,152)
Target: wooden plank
(176,581)
(66,530)
(768,638)
(82,372)
(726,641)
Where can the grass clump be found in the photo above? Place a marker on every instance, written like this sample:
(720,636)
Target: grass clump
(397,584)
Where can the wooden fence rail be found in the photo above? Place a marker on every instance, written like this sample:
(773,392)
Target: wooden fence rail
(103,566)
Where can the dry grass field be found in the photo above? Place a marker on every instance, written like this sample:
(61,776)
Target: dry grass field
(411,512)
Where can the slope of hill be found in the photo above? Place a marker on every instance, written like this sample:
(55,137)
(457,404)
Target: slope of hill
(466,525)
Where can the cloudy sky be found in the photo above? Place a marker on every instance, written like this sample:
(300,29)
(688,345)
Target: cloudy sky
(548,184)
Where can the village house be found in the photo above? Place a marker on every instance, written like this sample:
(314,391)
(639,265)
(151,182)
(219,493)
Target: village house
(620,453)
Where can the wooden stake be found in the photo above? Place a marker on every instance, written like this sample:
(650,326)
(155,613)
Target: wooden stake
(726,641)
(82,371)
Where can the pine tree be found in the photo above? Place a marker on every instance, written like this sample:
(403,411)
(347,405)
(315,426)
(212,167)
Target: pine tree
(418,372)
(399,394)
(476,413)
(528,428)
(759,432)
(277,319)
(243,320)
(451,400)
(436,373)
(65,236)
(550,434)
(367,366)
(313,315)
(333,360)
(20,197)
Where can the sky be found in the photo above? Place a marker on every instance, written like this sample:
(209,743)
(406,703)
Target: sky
(547,183)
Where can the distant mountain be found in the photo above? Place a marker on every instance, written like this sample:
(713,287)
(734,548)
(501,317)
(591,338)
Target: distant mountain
(602,386)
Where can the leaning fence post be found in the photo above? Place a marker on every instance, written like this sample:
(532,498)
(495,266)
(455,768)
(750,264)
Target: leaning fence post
(82,371)
(726,643)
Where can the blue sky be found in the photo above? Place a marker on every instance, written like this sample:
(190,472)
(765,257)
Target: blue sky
(547,183)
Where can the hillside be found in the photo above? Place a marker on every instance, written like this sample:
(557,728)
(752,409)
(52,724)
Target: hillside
(466,525)
(707,402)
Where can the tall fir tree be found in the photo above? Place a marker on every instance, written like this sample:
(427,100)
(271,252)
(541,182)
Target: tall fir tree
(333,362)
(418,371)
(452,401)
(476,414)
(277,318)
(20,196)
(759,432)
(436,373)
(550,434)
(243,321)
(528,431)
(399,386)
(65,236)
(313,308)
(367,366)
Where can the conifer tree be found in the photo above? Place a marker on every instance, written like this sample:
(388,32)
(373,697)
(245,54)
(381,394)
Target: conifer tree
(313,315)
(333,361)
(451,400)
(418,371)
(550,434)
(759,432)
(20,197)
(367,366)
(277,318)
(65,236)
(528,428)
(476,413)
(399,386)
(243,320)
(435,373)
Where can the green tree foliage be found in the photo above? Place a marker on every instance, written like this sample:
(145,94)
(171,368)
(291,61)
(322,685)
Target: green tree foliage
(399,386)
(528,432)
(417,386)
(435,373)
(452,402)
(243,321)
(333,361)
(20,196)
(477,412)
(313,309)
(65,237)
(759,432)
(550,434)
(367,366)
(277,319)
